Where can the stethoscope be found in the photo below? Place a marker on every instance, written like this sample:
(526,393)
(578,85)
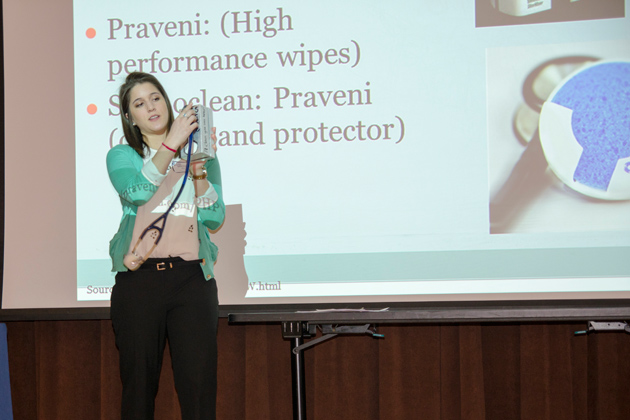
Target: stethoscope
(538,86)
(545,122)
(132,260)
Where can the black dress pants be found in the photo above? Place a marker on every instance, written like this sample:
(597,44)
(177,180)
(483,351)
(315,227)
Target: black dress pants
(147,309)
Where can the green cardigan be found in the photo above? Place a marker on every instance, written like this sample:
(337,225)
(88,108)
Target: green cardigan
(124,166)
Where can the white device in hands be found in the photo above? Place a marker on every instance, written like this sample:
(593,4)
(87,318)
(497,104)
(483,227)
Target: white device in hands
(202,141)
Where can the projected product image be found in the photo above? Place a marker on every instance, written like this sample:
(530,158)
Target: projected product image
(521,7)
(585,131)
(575,128)
(521,12)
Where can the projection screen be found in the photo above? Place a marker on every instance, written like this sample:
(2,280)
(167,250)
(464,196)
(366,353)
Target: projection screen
(371,152)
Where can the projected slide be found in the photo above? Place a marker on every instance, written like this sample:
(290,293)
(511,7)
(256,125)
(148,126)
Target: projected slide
(406,150)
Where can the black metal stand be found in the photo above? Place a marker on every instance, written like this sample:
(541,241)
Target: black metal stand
(297,372)
(296,331)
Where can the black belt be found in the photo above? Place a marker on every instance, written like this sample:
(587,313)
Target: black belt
(161,264)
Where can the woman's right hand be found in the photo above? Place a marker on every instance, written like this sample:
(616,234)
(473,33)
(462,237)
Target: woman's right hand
(183,125)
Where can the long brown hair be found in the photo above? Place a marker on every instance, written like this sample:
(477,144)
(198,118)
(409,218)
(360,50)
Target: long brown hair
(132,133)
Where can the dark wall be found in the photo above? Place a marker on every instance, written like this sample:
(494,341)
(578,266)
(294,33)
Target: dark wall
(68,370)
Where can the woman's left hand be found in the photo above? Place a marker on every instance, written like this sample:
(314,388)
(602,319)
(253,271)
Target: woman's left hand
(197,167)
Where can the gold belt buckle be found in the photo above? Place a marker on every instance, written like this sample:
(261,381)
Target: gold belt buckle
(161,266)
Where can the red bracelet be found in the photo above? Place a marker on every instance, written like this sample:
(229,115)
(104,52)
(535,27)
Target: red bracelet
(172,150)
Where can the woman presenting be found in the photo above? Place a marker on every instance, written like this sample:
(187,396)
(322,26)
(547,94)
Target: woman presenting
(172,294)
